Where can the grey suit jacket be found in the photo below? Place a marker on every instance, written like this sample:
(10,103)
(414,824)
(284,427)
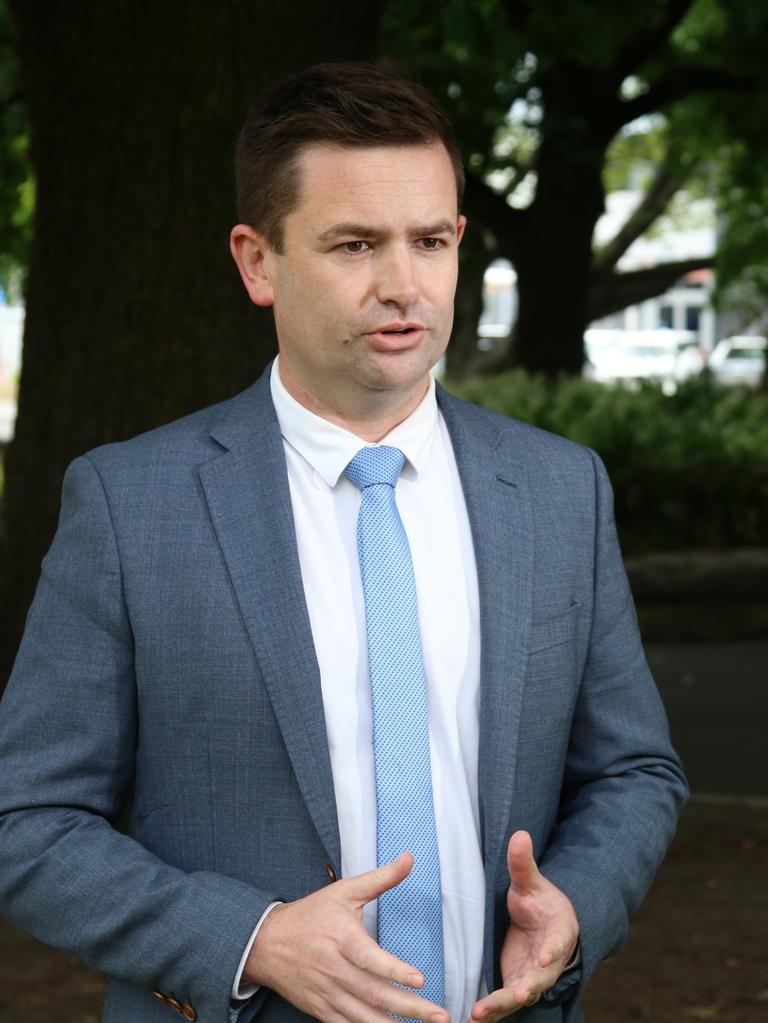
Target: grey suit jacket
(168,663)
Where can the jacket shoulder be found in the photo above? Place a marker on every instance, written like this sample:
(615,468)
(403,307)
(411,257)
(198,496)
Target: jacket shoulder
(529,443)
(184,442)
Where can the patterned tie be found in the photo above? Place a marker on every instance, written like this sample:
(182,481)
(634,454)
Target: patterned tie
(410,915)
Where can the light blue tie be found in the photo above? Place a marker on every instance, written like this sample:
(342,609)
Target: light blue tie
(410,915)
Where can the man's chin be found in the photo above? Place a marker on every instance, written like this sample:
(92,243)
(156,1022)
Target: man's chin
(398,374)
(400,367)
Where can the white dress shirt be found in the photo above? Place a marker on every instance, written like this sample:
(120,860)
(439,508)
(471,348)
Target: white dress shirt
(431,505)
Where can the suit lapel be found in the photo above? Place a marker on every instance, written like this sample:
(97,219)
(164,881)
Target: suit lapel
(246,487)
(498,503)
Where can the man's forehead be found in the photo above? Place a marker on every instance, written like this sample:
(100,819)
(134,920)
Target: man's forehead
(353,176)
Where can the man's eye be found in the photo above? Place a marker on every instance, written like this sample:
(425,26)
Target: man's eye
(355,247)
(432,243)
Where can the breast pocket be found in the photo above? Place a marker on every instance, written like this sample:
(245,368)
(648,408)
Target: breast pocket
(554,631)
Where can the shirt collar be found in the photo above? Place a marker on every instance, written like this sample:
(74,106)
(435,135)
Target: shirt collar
(329,448)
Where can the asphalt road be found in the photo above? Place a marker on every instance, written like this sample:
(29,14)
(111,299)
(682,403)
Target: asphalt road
(717,700)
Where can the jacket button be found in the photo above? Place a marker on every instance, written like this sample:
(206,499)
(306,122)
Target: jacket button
(188,1013)
(330,872)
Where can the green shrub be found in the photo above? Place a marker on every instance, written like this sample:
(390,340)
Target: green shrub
(689,469)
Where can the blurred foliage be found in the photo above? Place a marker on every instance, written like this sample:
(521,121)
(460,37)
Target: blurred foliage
(689,469)
(467,53)
(500,67)
(493,62)
(17,189)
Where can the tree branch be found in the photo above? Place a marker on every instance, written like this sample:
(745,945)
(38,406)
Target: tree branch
(610,292)
(670,175)
(642,45)
(676,84)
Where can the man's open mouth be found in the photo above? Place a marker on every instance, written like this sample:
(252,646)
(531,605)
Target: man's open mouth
(406,328)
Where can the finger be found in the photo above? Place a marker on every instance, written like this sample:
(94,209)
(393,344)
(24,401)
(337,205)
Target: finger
(369,886)
(535,980)
(559,940)
(348,1007)
(559,952)
(523,872)
(366,955)
(504,1001)
(375,1001)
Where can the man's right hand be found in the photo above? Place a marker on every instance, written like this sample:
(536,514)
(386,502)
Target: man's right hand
(316,953)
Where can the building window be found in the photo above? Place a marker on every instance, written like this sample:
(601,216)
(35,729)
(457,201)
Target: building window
(692,317)
(666,315)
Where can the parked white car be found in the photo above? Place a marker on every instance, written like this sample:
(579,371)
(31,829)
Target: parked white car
(664,356)
(739,360)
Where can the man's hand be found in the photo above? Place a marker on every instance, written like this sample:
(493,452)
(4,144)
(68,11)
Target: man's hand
(316,953)
(541,939)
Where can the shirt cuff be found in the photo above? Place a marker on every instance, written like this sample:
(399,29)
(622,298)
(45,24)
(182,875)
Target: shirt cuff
(242,992)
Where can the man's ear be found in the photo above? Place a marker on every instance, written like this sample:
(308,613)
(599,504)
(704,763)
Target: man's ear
(460,228)
(250,251)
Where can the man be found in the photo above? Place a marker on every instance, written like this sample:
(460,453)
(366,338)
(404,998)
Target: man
(218,618)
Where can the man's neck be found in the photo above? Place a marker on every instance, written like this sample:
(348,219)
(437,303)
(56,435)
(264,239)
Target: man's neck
(381,413)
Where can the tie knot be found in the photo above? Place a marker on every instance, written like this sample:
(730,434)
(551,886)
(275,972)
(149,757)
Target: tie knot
(375,465)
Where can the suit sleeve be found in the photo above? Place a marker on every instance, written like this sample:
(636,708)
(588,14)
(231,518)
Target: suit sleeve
(623,784)
(68,731)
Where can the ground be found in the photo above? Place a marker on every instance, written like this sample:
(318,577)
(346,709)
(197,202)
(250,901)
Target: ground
(697,949)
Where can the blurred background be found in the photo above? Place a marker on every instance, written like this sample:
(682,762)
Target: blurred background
(614,289)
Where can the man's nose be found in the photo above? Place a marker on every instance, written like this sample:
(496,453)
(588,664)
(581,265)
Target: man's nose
(396,280)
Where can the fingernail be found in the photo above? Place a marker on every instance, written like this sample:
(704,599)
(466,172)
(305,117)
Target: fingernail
(415,980)
(438,1017)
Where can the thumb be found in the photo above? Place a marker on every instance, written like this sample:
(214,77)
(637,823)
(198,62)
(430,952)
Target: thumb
(523,872)
(369,886)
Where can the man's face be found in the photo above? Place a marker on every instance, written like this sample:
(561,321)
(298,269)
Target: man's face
(363,291)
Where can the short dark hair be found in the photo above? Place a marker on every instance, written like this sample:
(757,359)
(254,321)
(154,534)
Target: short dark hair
(351,104)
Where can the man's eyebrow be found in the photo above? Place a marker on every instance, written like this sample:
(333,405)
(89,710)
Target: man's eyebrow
(349,229)
(432,230)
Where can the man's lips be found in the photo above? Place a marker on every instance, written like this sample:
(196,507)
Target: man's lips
(393,337)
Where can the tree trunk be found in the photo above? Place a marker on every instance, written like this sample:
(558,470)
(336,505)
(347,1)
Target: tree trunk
(135,312)
(554,255)
(462,354)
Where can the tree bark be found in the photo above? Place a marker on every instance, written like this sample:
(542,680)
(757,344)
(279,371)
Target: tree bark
(554,257)
(462,354)
(135,312)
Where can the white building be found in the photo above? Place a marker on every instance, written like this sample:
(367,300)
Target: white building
(687,232)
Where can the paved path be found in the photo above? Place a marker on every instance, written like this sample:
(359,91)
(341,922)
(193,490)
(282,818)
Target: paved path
(717,700)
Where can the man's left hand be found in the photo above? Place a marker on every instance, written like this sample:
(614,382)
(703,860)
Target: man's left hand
(541,939)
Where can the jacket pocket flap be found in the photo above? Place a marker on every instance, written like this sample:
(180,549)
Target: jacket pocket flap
(555,630)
